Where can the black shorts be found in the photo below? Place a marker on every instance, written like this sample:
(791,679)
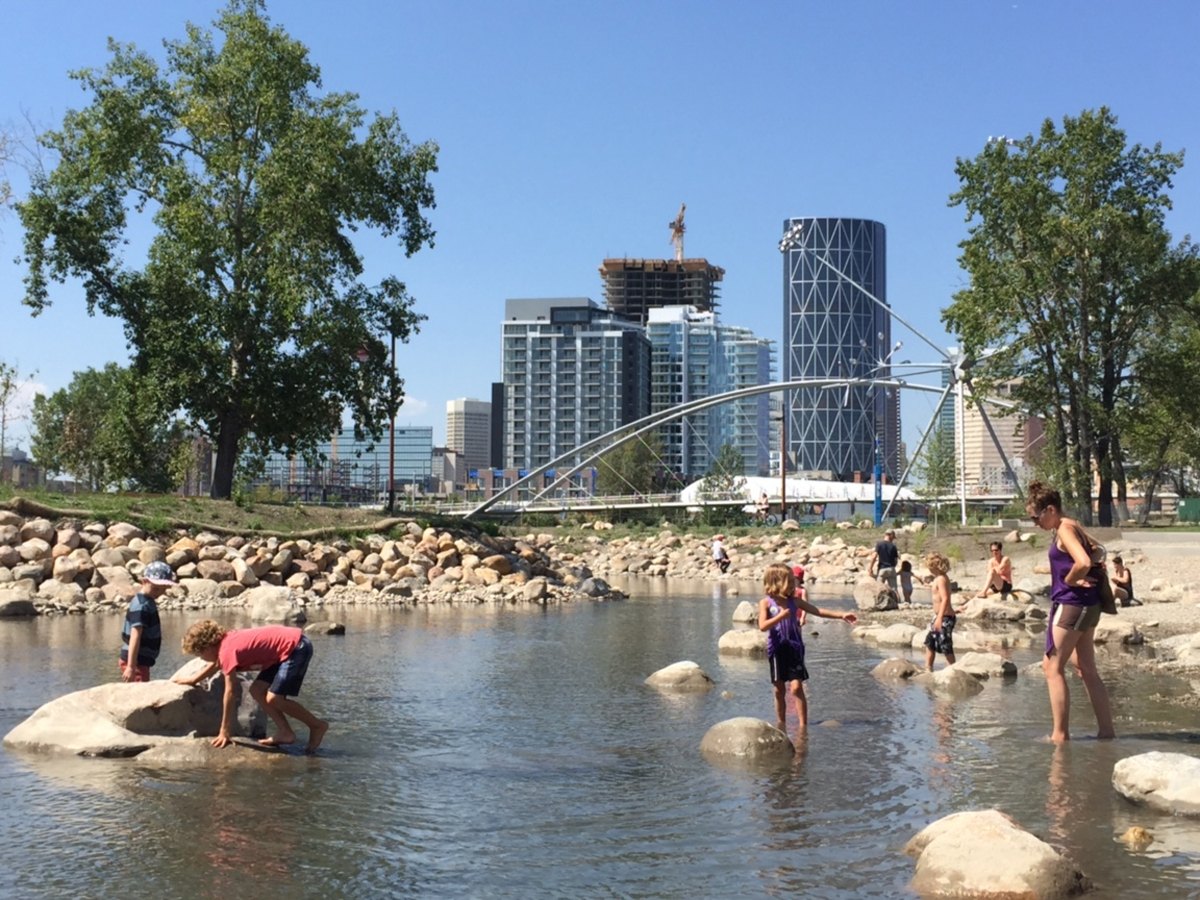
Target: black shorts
(787,665)
(942,641)
(286,677)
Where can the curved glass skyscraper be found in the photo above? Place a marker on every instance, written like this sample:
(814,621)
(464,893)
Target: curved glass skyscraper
(834,329)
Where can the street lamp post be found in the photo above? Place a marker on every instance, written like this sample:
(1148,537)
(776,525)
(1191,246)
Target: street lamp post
(391,507)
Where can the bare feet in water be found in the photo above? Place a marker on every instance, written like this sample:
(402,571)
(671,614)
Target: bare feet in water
(315,735)
(280,740)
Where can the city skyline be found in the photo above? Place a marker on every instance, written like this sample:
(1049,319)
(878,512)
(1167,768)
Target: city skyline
(749,116)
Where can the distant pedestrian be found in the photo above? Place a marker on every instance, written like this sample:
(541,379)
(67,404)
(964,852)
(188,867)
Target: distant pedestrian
(906,584)
(719,554)
(141,634)
(1074,613)
(779,616)
(886,557)
(764,507)
(941,629)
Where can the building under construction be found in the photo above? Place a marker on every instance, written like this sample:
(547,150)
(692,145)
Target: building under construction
(633,286)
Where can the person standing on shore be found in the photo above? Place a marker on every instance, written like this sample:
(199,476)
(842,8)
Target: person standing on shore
(778,615)
(1074,613)
(885,557)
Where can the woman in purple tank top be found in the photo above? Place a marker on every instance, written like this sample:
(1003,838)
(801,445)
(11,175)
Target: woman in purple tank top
(1074,612)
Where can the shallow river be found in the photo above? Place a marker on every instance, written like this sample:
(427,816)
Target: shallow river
(515,753)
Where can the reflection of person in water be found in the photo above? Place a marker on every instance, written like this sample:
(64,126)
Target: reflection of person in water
(1059,814)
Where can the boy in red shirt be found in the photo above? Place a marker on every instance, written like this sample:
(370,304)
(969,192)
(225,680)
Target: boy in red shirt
(282,655)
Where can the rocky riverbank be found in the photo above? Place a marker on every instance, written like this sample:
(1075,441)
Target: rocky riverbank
(69,567)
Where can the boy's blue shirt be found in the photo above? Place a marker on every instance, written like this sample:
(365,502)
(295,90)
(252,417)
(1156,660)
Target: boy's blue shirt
(142,613)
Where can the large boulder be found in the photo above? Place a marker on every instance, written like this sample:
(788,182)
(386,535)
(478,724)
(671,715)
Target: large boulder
(901,634)
(986,665)
(743,643)
(274,604)
(874,596)
(681,676)
(950,682)
(986,855)
(116,719)
(897,669)
(746,739)
(746,612)
(1165,781)
(1115,630)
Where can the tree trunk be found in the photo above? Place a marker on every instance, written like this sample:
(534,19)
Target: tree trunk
(225,464)
(1104,500)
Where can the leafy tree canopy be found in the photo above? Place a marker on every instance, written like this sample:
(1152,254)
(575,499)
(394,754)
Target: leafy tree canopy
(631,468)
(249,308)
(107,430)
(1069,260)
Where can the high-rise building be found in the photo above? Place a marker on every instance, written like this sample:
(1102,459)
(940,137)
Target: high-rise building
(348,469)
(695,356)
(834,329)
(1020,437)
(469,431)
(572,371)
(632,287)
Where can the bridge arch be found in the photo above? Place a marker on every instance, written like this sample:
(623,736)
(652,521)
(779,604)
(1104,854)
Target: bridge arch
(615,438)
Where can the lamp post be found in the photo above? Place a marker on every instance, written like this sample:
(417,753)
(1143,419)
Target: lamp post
(391,507)
(782,420)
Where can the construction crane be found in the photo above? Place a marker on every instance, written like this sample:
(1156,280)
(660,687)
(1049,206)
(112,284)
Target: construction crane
(677,229)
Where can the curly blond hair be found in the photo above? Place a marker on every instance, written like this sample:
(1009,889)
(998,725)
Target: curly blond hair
(201,636)
(937,563)
(778,581)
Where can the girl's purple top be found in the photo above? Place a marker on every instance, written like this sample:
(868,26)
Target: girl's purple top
(785,632)
(1060,592)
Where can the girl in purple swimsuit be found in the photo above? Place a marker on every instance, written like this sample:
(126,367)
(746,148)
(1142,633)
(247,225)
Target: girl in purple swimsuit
(1074,612)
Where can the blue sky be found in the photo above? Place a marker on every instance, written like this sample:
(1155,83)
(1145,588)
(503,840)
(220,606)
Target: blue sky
(572,131)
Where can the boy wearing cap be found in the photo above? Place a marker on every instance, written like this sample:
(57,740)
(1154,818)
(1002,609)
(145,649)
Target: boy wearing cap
(141,635)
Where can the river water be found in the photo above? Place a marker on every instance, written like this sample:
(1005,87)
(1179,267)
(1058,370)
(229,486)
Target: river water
(514,752)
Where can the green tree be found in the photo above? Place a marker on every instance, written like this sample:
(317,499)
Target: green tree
(249,308)
(631,468)
(10,388)
(1069,261)
(725,480)
(108,430)
(937,469)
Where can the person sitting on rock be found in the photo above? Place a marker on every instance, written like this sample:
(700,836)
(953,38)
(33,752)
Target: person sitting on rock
(141,635)
(941,630)
(280,652)
(999,573)
(1122,583)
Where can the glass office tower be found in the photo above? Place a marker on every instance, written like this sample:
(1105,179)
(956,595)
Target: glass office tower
(834,329)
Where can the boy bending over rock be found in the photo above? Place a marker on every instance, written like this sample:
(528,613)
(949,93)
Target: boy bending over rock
(281,656)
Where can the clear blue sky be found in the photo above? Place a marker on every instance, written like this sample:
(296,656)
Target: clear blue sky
(571,132)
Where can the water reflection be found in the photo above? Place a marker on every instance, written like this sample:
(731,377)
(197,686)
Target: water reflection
(514,752)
